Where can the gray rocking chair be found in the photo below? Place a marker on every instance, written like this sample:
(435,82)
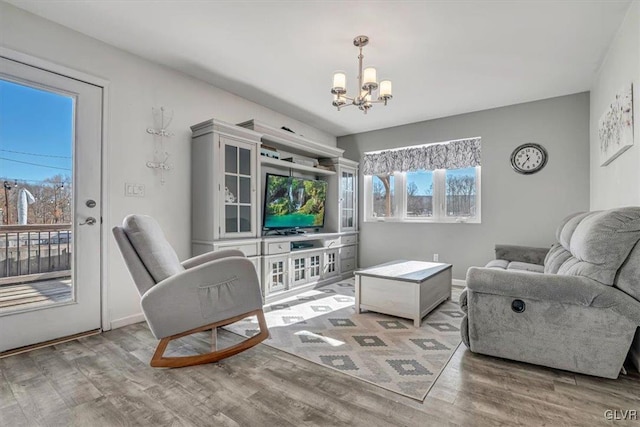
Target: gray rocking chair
(179,299)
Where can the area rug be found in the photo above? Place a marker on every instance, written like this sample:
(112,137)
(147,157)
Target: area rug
(321,326)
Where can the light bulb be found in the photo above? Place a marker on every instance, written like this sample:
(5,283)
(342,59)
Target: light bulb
(369,75)
(385,89)
(339,82)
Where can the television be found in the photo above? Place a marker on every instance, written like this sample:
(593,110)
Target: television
(291,202)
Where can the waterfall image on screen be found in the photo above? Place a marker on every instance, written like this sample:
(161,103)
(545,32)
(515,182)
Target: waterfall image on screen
(294,202)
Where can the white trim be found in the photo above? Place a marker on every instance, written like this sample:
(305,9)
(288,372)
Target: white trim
(107,239)
(459,283)
(438,201)
(128,320)
(52,67)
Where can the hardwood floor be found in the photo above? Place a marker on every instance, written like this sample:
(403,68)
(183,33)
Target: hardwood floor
(106,380)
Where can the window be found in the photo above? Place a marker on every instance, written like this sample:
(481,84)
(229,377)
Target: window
(438,182)
(419,194)
(383,196)
(442,195)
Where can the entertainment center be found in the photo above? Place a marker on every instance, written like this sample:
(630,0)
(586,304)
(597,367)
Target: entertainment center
(230,209)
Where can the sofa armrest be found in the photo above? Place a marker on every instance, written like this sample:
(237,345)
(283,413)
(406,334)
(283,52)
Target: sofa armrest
(210,256)
(576,290)
(202,295)
(521,253)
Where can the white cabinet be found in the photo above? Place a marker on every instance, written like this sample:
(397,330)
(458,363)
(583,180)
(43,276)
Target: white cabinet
(306,267)
(315,266)
(275,274)
(224,182)
(299,269)
(342,211)
(238,213)
(227,174)
(331,267)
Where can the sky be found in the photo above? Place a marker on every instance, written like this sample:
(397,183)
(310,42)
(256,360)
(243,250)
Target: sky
(424,179)
(36,127)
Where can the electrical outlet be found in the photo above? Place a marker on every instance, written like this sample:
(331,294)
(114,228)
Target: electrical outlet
(436,257)
(133,190)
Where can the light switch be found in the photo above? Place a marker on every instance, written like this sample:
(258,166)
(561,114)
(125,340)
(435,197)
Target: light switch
(133,190)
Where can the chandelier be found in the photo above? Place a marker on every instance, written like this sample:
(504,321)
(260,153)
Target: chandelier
(367,84)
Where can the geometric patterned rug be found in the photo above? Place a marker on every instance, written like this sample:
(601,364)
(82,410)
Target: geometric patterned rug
(321,325)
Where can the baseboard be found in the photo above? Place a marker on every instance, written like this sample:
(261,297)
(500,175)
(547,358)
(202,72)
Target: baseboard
(459,283)
(129,320)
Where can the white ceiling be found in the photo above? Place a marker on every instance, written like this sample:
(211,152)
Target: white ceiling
(444,57)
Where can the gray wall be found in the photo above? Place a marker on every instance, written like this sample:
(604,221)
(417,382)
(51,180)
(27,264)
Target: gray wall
(516,209)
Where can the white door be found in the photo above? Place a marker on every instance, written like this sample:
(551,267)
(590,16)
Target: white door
(50,180)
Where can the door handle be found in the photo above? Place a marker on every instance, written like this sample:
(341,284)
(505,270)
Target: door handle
(89,221)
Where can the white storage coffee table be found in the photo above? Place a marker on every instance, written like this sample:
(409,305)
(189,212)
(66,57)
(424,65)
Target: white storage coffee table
(409,289)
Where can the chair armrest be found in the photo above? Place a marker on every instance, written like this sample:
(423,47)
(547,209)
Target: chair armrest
(521,253)
(576,290)
(210,256)
(205,294)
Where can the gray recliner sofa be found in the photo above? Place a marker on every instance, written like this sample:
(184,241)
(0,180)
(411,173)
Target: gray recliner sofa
(575,306)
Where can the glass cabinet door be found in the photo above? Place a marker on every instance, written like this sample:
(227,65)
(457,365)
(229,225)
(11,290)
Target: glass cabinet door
(277,275)
(238,188)
(331,263)
(347,196)
(298,270)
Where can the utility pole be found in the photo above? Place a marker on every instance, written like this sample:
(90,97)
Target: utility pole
(57,213)
(7,216)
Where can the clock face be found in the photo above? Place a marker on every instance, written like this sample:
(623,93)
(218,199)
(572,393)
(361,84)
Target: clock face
(529,158)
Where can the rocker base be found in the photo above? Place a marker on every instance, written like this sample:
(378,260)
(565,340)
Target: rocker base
(158,361)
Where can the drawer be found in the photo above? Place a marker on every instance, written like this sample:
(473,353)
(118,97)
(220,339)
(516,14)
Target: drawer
(347,265)
(249,249)
(332,243)
(278,248)
(350,240)
(347,252)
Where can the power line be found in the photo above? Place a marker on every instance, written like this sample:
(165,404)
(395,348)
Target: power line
(34,164)
(35,154)
(33,181)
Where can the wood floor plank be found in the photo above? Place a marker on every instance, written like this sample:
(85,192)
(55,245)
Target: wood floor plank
(106,380)
(37,398)
(73,387)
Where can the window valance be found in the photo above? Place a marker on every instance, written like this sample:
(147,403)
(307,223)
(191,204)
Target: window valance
(461,153)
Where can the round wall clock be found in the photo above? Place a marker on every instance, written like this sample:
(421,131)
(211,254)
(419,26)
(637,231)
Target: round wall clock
(529,158)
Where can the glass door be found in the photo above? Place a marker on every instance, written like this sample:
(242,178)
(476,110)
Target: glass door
(50,172)
(347,205)
(239,195)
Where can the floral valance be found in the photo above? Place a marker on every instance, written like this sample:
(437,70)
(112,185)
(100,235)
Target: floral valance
(462,153)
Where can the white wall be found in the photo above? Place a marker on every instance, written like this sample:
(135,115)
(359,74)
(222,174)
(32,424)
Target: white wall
(516,209)
(617,184)
(137,85)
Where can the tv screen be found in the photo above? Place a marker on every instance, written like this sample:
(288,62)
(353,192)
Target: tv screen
(291,202)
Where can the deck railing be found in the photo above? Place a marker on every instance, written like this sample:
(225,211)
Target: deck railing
(34,249)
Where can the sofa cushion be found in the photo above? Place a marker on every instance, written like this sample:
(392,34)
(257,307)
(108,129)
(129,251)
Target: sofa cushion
(498,263)
(557,256)
(568,226)
(152,247)
(599,243)
(503,264)
(628,279)
(525,266)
